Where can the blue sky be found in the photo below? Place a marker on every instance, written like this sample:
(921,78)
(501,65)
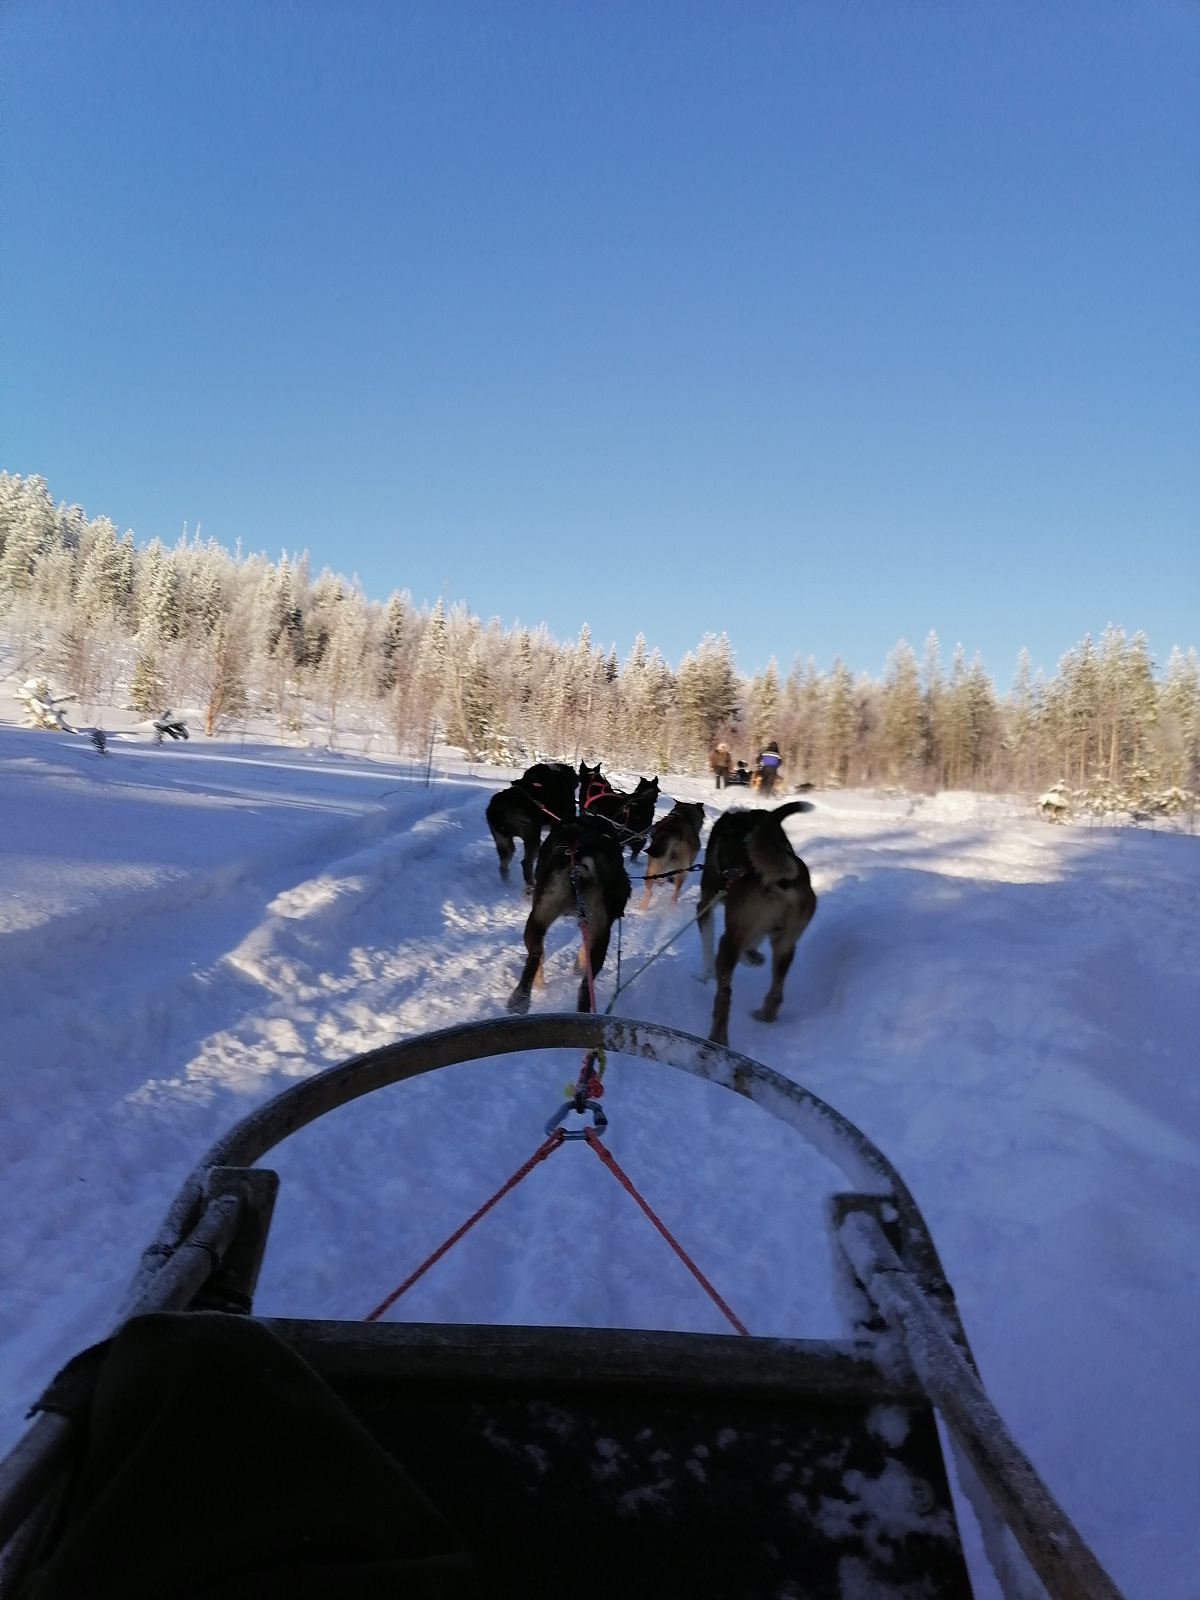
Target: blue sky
(821,324)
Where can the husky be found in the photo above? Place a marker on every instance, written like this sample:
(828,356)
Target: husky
(542,796)
(674,846)
(592,785)
(768,895)
(580,864)
(632,813)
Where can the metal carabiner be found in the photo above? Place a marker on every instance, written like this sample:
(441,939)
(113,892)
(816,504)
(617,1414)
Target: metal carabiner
(599,1120)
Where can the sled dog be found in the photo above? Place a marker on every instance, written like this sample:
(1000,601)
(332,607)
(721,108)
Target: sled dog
(632,813)
(542,796)
(674,846)
(580,862)
(592,784)
(768,895)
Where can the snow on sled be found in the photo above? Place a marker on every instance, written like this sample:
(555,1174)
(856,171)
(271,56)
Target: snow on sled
(203,1450)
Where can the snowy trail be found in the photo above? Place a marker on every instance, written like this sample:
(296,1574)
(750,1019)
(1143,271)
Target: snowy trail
(1009,1010)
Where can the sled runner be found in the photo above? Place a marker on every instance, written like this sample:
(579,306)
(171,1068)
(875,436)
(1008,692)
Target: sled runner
(208,1451)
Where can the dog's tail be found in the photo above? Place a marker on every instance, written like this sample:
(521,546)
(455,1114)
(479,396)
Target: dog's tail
(769,851)
(790,810)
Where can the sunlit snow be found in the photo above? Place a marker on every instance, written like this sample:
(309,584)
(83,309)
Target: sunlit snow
(1009,1009)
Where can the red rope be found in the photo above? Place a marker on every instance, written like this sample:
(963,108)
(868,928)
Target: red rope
(607,1158)
(546,1148)
(585,938)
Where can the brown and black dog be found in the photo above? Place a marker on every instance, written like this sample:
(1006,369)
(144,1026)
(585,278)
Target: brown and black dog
(768,895)
(542,796)
(674,846)
(579,862)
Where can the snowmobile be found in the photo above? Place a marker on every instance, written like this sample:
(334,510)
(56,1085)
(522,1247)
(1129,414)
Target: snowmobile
(205,1451)
(168,726)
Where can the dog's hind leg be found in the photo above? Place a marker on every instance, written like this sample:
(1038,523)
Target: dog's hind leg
(704,920)
(535,945)
(505,848)
(783,950)
(727,955)
(651,879)
(531,838)
(597,950)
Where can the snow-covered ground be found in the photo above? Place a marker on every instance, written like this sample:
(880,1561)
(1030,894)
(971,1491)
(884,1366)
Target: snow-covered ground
(1010,1010)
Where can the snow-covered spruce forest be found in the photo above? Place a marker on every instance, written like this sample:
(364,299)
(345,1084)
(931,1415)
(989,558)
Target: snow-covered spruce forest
(227,636)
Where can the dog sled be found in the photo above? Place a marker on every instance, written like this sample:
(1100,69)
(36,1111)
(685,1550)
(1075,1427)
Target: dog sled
(206,1451)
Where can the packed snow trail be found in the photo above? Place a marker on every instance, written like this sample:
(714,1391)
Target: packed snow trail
(1008,1010)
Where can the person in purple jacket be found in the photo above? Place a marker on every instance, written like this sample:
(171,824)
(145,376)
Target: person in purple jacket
(768,768)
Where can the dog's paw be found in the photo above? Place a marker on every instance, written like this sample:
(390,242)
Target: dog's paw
(763,1014)
(518,1002)
(752,958)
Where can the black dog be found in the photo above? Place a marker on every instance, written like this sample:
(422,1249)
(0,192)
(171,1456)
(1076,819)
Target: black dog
(580,864)
(544,795)
(592,784)
(632,813)
(768,895)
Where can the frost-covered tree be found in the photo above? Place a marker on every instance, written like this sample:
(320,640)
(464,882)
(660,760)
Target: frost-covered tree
(159,596)
(1177,732)
(839,722)
(28,532)
(762,708)
(1025,705)
(118,622)
(105,589)
(226,688)
(708,692)
(397,640)
(146,685)
(901,718)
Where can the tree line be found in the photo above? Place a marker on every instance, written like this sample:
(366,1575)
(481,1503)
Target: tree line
(238,636)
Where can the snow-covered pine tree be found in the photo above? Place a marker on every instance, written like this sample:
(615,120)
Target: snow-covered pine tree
(146,685)
(28,529)
(226,685)
(1177,731)
(839,722)
(931,697)
(900,729)
(762,709)
(707,692)
(399,625)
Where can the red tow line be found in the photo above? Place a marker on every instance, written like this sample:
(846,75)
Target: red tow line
(547,1148)
(606,1156)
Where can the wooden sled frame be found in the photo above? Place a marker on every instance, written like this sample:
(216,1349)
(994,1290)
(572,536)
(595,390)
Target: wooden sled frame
(910,1339)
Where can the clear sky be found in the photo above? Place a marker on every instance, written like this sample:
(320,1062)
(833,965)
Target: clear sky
(821,324)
